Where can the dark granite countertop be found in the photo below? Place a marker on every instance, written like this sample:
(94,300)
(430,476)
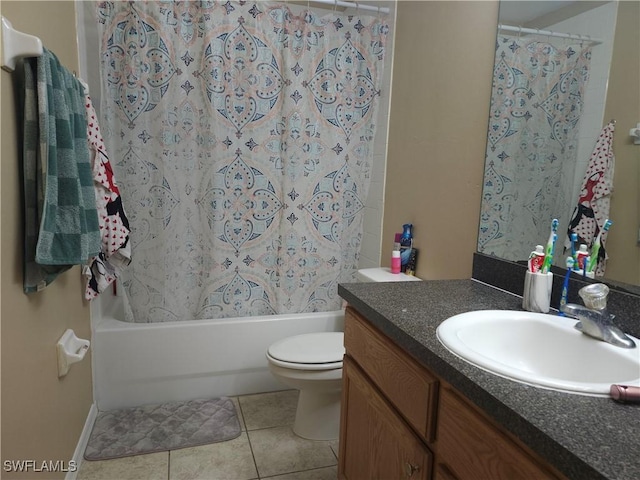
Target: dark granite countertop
(583,437)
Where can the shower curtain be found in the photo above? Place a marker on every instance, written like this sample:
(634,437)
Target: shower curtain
(536,103)
(241,135)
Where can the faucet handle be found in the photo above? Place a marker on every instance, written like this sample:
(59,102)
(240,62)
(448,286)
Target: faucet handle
(594,296)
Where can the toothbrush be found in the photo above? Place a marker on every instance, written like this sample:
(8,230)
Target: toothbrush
(584,268)
(553,236)
(593,261)
(574,254)
(565,285)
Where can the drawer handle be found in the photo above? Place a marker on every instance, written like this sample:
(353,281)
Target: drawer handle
(410,469)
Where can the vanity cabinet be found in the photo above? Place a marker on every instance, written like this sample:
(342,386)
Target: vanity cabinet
(399,420)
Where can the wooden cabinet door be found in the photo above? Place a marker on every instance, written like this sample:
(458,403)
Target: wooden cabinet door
(470,447)
(375,443)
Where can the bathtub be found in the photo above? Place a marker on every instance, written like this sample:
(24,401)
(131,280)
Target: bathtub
(145,363)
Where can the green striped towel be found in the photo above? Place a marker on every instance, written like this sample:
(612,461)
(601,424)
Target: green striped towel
(60,218)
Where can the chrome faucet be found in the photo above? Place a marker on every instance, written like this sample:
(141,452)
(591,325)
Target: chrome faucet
(594,317)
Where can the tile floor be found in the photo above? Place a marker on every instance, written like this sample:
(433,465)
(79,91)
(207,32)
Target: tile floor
(266,448)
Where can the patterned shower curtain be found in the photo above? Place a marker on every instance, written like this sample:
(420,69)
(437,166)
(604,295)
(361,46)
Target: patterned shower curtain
(536,103)
(241,135)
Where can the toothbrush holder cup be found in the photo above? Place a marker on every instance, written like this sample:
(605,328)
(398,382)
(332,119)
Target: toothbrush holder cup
(537,292)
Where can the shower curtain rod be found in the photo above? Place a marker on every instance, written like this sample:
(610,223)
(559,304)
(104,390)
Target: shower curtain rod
(356,5)
(549,33)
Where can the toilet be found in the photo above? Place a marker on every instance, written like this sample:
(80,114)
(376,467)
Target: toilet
(312,364)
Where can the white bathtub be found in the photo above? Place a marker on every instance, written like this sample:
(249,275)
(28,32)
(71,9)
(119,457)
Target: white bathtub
(137,364)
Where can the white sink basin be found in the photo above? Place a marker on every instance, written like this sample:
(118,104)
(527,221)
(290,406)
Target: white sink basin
(540,350)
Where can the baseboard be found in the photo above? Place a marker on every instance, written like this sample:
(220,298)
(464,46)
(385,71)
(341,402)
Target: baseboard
(78,455)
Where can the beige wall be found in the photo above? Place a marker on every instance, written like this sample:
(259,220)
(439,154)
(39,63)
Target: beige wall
(623,104)
(42,416)
(437,136)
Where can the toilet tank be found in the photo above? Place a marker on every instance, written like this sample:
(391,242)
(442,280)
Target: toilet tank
(383,274)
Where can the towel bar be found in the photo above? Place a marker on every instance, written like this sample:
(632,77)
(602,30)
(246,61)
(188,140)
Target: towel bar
(16,45)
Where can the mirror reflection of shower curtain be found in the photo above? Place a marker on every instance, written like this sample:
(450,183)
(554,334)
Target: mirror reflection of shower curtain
(536,103)
(242,139)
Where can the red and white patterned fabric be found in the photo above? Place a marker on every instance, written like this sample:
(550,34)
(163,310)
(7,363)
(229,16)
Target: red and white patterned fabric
(594,201)
(115,254)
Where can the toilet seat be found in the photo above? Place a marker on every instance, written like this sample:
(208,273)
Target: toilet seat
(311,351)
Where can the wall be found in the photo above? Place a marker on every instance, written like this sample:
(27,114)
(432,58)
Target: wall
(623,104)
(370,252)
(42,416)
(441,89)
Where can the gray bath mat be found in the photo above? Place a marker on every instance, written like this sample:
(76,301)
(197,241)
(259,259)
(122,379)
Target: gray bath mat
(158,428)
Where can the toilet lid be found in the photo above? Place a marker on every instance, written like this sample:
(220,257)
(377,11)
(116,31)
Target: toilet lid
(310,348)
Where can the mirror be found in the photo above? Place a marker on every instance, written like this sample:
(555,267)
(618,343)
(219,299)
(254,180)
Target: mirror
(547,112)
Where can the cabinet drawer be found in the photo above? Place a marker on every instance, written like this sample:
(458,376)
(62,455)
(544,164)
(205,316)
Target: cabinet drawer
(407,385)
(470,447)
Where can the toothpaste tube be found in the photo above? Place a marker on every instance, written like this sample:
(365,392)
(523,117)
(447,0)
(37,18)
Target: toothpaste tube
(536,259)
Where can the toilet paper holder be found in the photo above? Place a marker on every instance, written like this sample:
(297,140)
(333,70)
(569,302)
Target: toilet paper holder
(635,133)
(71,349)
